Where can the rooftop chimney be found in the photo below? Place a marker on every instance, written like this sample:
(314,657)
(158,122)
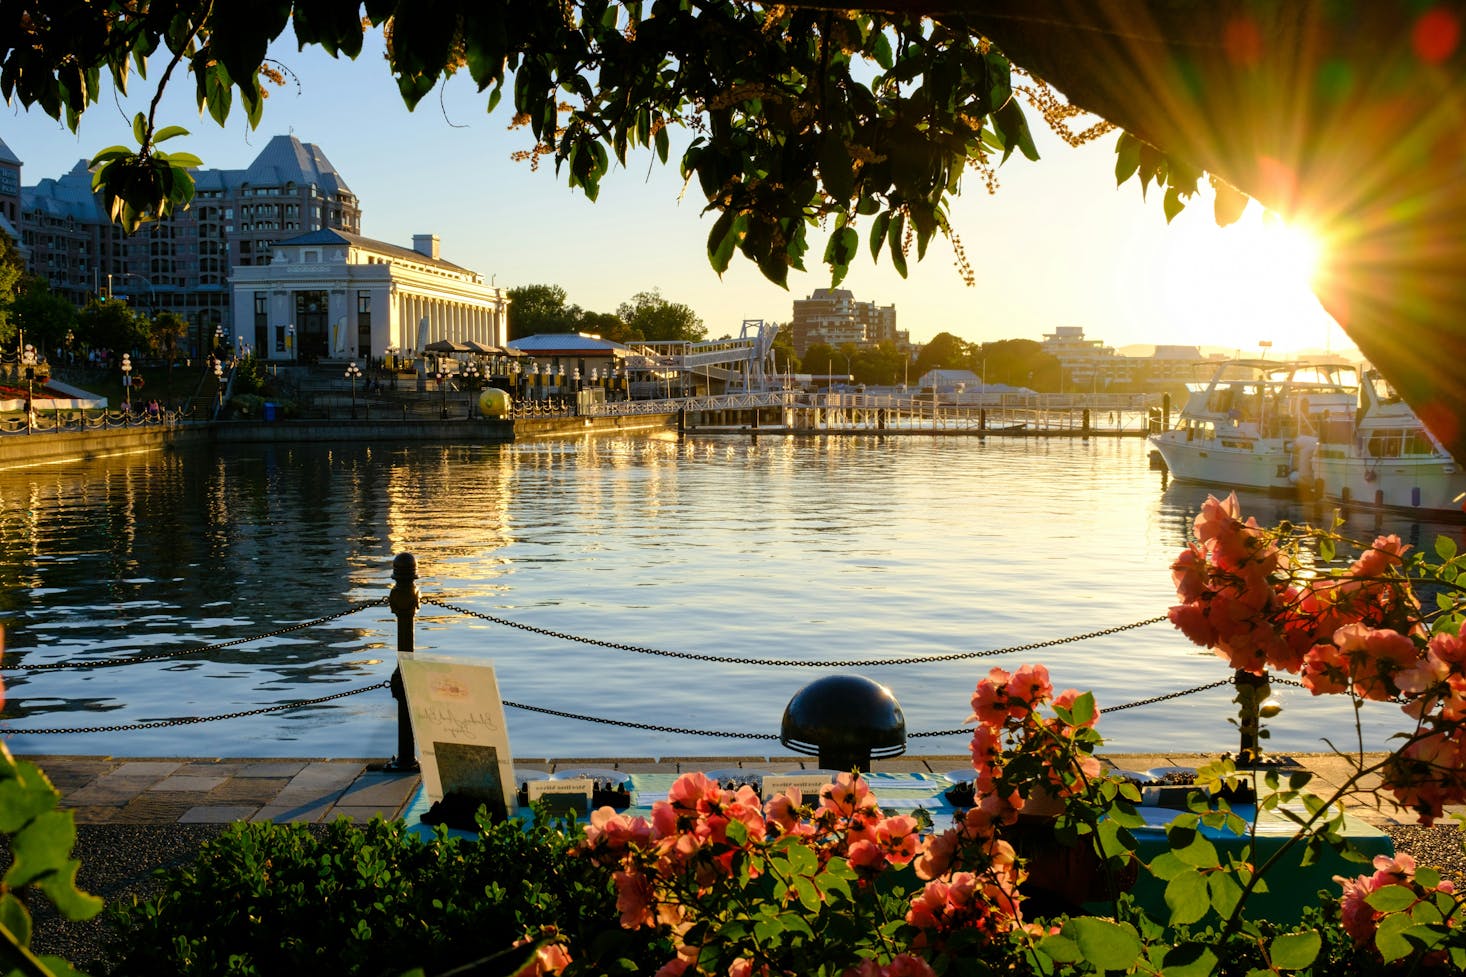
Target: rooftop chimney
(426,245)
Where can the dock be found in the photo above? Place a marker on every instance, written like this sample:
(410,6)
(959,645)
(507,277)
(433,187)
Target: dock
(115,790)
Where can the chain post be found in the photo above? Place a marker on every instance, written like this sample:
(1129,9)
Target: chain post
(1252,691)
(404,601)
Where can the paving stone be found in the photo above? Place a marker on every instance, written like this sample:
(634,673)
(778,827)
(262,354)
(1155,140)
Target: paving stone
(218,813)
(113,792)
(204,768)
(248,790)
(274,768)
(90,815)
(157,769)
(66,774)
(359,815)
(290,813)
(379,790)
(326,774)
(183,782)
(160,808)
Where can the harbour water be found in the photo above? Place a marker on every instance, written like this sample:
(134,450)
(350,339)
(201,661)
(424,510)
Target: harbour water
(832,551)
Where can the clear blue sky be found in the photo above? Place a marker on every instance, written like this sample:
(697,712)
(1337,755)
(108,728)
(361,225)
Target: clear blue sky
(1059,244)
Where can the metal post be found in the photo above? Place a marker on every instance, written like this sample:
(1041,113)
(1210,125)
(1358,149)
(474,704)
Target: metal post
(404,602)
(1252,692)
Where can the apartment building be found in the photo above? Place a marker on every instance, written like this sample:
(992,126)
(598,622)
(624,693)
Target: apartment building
(182,264)
(833,316)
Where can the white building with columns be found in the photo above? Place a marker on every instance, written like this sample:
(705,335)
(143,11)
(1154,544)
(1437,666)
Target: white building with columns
(331,294)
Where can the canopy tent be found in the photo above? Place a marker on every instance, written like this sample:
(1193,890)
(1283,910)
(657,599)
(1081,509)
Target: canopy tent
(446,346)
(482,349)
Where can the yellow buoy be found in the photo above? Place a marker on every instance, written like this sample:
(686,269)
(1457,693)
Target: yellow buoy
(494,402)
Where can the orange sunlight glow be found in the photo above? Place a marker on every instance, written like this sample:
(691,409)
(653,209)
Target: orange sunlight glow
(1249,283)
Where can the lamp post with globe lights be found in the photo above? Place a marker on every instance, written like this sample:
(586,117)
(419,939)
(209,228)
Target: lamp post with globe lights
(127,383)
(218,365)
(470,382)
(28,360)
(442,378)
(353,372)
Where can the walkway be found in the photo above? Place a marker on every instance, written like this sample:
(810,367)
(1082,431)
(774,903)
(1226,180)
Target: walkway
(113,790)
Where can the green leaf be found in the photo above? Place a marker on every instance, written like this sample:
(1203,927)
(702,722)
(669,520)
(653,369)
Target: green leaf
(168,132)
(70,901)
(1445,547)
(1225,892)
(1127,157)
(1060,948)
(840,251)
(1190,960)
(1172,204)
(723,240)
(42,847)
(1294,951)
(139,127)
(1106,944)
(15,918)
(1391,898)
(1389,937)
(1187,898)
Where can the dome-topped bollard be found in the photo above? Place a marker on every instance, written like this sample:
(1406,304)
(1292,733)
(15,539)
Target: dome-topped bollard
(845,720)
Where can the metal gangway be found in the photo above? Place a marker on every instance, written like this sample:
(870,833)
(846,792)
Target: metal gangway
(745,362)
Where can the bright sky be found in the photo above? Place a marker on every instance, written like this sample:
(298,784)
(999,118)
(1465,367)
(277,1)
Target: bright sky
(1058,245)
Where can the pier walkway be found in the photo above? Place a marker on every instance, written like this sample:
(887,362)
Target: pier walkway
(114,790)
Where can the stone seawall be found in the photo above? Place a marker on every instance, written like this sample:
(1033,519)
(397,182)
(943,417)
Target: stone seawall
(64,447)
(57,448)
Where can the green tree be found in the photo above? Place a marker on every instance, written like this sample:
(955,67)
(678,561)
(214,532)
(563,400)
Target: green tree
(536,309)
(821,358)
(944,352)
(1019,363)
(785,359)
(169,332)
(12,269)
(45,317)
(607,325)
(880,365)
(656,319)
(112,324)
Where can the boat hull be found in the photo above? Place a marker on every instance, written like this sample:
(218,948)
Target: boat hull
(1424,485)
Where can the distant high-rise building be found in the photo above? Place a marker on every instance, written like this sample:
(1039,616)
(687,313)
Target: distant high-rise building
(182,264)
(832,316)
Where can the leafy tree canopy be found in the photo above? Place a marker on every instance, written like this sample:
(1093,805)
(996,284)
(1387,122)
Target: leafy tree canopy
(12,267)
(655,319)
(536,309)
(1019,363)
(45,317)
(944,352)
(112,324)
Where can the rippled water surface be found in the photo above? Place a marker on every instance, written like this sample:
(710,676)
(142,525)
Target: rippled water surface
(829,550)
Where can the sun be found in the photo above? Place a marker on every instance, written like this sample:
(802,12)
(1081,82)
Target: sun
(1250,285)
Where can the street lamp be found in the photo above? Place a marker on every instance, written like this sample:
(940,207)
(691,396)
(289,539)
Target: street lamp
(127,382)
(290,342)
(219,378)
(28,359)
(442,376)
(352,372)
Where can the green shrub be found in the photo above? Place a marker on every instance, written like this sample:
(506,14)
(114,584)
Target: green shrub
(274,899)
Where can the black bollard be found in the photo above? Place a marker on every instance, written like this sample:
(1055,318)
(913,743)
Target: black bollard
(845,720)
(404,602)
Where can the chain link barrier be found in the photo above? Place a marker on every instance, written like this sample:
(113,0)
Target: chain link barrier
(789,662)
(191,720)
(165,656)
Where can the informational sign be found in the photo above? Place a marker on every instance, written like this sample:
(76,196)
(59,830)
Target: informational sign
(458,722)
(572,794)
(809,784)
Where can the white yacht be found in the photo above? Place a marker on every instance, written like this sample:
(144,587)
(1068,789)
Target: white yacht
(1318,430)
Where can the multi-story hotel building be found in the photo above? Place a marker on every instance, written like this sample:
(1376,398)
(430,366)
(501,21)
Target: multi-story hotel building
(182,264)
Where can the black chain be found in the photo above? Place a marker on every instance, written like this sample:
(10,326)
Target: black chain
(792,663)
(647,726)
(190,720)
(164,656)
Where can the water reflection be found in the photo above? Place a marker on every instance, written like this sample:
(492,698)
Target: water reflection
(828,549)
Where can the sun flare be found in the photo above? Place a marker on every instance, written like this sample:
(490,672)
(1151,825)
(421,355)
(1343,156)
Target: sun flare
(1250,283)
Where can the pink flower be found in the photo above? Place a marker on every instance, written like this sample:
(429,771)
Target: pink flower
(675,967)
(1387,552)
(1066,700)
(550,958)
(990,701)
(614,831)
(898,839)
(633,899)
(867,856)
(742,967)
(1029,687)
